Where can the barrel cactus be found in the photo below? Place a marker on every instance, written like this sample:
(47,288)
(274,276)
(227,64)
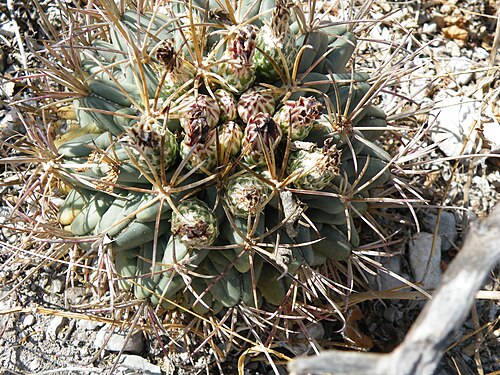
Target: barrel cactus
(220,148)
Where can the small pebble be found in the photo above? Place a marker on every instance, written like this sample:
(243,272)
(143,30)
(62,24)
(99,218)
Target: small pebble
(451,122)
(453,49)
(81,336)
(55,326)
(75,295)
(6,303)
(480,54)
(27,321)
(34,364)
(462,67)
(393,314)
(57,286)
(139,364)
(446,9)
(314,330)
(429,28)
(387,281)
(84,351)
(88,325)
(135,344)
(43,280)
(8,29)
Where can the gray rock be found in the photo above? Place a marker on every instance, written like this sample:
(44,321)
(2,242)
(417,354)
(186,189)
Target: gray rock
(453,49)
(81,336)
(55,326)
(8,124)
(6,302)
(392,264)
(446,9)
(451,123)
(42,282)
(314,330)
(33,364)
(462,67)
(135,344)
(447,228)
(137,364)
(491,128)
(84,351)
(427,272)
(393,314)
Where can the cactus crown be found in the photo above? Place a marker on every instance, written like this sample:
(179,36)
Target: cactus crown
(280,19)
(242,46)
(194,224)
(144,136)
(167,56)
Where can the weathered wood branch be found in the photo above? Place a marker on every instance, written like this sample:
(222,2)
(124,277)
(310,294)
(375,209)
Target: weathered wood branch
(424,344)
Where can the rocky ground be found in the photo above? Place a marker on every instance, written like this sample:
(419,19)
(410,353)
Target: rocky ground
(449,91)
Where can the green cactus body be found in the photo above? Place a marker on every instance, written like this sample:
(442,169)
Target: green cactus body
(254,101)
(147,139)
(207,130)
(261,137)
(297,117)
(194,223)
(246,194)
(315,168)
(229,138)
(275,43)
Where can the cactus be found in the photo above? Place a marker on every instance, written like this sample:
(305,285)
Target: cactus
(276,48)
(197,140)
